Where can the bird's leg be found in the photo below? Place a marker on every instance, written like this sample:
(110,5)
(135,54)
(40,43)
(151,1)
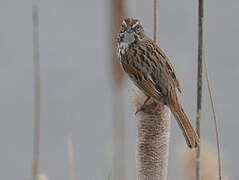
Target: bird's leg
(143,106)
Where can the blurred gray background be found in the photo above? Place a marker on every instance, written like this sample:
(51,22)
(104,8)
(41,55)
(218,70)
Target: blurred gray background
(75,83)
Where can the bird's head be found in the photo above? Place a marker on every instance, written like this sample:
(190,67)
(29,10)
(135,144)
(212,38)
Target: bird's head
(131,31)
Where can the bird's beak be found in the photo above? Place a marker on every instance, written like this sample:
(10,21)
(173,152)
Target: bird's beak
(129,30)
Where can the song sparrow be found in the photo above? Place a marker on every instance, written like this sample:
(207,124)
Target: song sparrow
(151,71)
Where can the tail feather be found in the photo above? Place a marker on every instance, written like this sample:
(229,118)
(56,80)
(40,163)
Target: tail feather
(184,123)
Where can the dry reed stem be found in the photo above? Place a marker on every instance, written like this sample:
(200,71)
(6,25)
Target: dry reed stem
(118,171)
(152,138)
(118,13)
(36,61)
(199,81)
(215,122)
(208,163)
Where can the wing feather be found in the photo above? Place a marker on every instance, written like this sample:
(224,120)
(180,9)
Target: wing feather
(151,70)
(169,67)
(144,83)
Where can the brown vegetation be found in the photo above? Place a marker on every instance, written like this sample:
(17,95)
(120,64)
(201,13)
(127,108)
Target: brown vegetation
(152,138)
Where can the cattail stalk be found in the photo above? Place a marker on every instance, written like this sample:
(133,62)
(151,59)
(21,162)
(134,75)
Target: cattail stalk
(36,61)
(153,125)
(199,81)
(118,171)
(118,13)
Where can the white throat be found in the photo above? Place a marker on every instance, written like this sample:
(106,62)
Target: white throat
(125,43)
(122,48)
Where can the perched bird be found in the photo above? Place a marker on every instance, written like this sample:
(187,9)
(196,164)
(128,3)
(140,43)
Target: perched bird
(151,71)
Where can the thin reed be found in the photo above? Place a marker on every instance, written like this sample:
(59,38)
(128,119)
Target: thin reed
(36,60)
(215,122)
(199,82)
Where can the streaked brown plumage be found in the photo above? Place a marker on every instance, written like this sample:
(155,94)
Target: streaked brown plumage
(151,71)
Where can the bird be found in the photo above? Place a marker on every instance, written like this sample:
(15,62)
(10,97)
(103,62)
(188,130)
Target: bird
(151,71)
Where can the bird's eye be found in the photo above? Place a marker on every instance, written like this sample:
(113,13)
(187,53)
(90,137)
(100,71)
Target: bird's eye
(137,27)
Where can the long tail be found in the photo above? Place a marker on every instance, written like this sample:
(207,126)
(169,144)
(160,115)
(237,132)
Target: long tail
(189,133)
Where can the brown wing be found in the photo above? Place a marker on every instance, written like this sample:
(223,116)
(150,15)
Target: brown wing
(142,81)
(170,70)
(165,63)
(150,70)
